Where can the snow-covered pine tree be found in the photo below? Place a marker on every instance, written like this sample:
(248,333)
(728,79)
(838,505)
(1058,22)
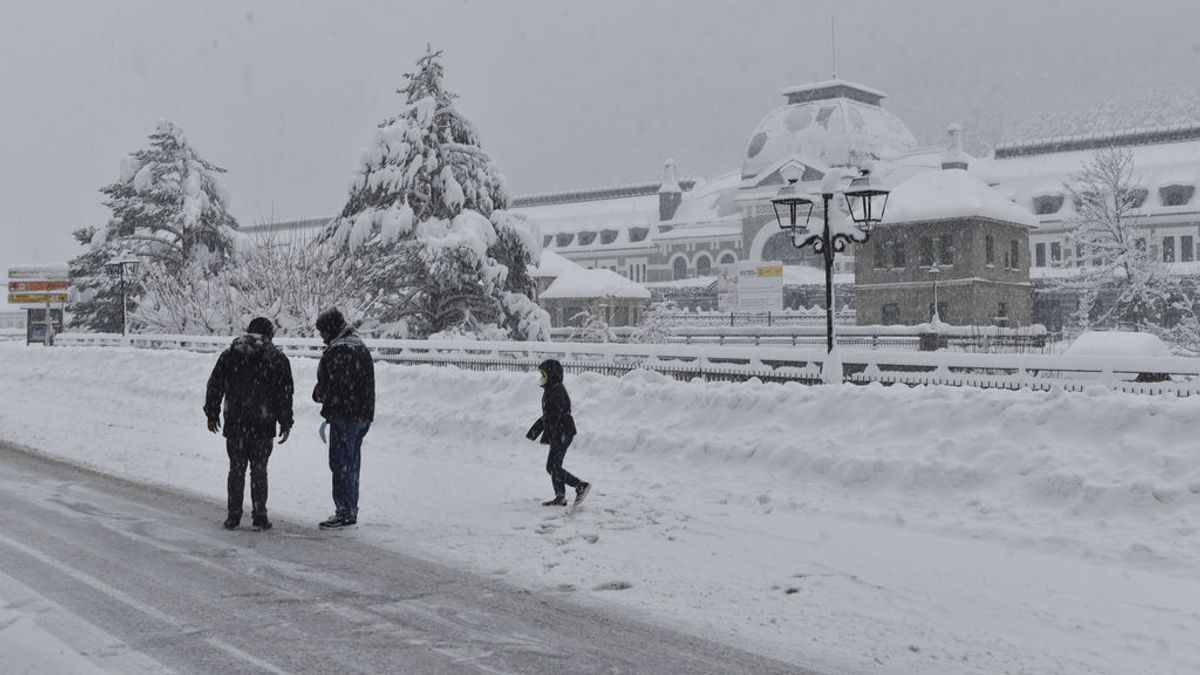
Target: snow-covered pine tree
(1122,282)
(424,229)
(168,210)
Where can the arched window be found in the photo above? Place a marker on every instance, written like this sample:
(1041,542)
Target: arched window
(779,247)
(680,267)
(703,266)
(728,259)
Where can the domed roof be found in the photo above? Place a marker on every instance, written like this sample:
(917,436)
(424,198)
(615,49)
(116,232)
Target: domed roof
(832,123)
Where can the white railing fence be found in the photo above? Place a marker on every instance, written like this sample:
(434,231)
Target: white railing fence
(1144,375)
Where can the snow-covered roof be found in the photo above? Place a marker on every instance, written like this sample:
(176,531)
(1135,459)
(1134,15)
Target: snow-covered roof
(951,193)
(831,87)
(553,265)
(731,227)
(710,200)
(599,283)
(830,128)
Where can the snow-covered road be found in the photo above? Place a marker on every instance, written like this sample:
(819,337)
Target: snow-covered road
(101,575)
(870,529)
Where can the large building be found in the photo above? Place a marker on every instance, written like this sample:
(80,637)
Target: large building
(675,233)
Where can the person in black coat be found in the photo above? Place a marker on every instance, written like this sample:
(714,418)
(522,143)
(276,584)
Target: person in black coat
(254,379)
(346,391)
(556,427)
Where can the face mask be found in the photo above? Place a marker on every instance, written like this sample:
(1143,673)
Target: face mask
(545,377)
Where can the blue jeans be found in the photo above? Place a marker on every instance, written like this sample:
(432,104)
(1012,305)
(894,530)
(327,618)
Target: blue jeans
(345,459)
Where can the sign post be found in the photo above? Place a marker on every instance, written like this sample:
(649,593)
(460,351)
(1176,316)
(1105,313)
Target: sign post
(45,285)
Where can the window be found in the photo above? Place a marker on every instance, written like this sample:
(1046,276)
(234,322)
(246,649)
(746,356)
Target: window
(546,240)
(946,250)
(890,314)
(1079,255)
(637,234)
(1176,195)
(564,238)
(1135,198)
(1044,205)
(898,254)
(881,253)
(586,238)
(703,266)
(1039,255)
(679,268)
(1168,249)
(926,252)
(1187,251)
(620,316)
(1013,256)
(1140,244)
(989,250)
(728,259)
(608,236)
(1002,310)
(1055,251)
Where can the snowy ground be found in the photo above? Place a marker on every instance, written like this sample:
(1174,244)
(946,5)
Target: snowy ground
(850,529)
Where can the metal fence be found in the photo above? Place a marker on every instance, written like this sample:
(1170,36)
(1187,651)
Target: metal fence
(1143,375)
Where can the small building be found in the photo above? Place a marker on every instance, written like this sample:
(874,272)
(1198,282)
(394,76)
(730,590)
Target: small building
(947,233)
(600,291)
(550,267)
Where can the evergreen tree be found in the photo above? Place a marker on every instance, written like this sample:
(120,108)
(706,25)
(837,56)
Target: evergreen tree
(424,229)
(168,211)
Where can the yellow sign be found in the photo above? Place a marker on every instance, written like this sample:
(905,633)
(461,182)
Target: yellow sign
(771,271)
(37,298)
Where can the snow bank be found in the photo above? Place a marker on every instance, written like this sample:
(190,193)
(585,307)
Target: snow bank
(1117,343)
(931,530)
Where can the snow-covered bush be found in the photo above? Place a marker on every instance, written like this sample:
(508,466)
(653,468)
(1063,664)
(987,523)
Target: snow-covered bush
(655,326)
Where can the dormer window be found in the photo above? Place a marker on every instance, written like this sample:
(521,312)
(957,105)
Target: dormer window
(546,240)
(564,239)
(1091,198)
(1044,205)
(1136,197)
(1176,195)
(637,234)
(608,236)
(586,238)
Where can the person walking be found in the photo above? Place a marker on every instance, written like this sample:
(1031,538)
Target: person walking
(346,391)
(254,379)
(556,427)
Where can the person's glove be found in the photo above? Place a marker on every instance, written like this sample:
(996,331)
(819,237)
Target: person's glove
(321,432)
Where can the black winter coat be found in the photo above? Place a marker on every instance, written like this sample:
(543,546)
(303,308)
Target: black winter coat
(346,380)
(556,422)
(254,379)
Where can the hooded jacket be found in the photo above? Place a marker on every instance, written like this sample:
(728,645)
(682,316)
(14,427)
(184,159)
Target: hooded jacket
(556,423)
(254,379)
(346,379)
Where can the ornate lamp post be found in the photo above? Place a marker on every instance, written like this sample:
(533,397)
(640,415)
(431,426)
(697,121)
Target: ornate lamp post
(118,266)
(865,200)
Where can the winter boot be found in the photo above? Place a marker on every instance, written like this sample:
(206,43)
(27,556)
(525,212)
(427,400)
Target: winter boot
(232,522)
(261,523)
(581,492)
(559,500)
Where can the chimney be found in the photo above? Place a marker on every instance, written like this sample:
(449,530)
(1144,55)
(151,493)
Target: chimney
(669,193)
(954,157)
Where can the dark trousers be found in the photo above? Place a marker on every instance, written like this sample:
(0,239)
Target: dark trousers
(253,452)
(559,476)
(345,460)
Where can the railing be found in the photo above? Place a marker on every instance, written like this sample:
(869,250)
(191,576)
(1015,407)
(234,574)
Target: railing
(1039,372)
(792,317)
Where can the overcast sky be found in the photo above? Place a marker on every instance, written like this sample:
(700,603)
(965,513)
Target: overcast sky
(566,94)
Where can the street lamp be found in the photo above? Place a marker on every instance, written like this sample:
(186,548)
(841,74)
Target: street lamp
(865,200)
(118,266)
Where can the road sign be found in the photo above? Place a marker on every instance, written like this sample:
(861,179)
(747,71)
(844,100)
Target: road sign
(37,298)
(39,272)
(37,286)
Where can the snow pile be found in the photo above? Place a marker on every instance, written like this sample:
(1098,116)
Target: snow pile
(1118,343)
(951,193)
(931,530)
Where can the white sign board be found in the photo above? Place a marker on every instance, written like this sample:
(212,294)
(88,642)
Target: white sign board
(759,286)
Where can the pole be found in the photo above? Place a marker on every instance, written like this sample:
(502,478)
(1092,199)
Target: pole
(827,246)
(46,337)
(124,310)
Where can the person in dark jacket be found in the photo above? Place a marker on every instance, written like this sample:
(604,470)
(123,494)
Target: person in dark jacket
(346,391)
(556,427)
(254,379)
